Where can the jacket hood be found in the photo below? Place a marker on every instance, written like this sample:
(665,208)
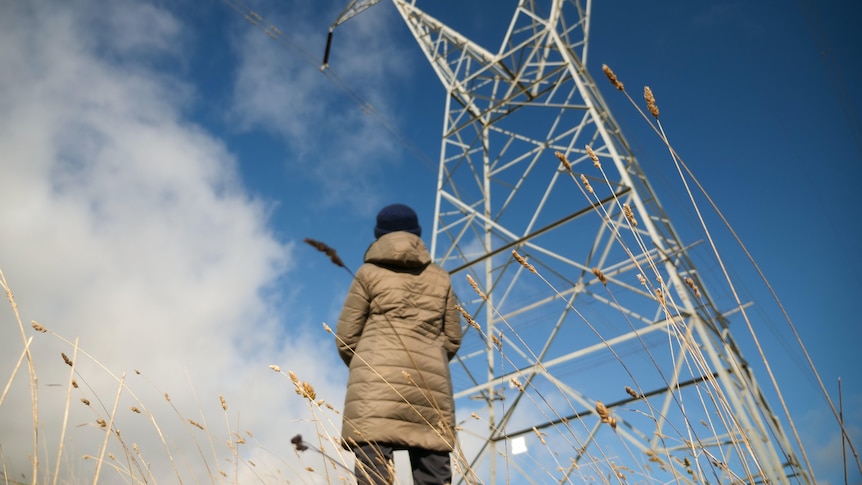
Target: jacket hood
(398,248)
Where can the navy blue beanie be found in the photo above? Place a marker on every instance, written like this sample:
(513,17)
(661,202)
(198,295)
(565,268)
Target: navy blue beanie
(396,217)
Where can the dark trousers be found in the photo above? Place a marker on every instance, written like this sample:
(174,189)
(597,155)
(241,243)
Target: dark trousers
(374,465)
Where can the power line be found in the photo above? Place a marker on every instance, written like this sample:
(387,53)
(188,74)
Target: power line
(255,19)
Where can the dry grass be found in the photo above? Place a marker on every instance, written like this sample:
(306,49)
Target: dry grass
(559,457)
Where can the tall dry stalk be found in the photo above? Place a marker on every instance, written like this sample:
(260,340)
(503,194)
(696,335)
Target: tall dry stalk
(15,370)
(109,430)
(34,381)
(685,175)
(69,387)
(662,295)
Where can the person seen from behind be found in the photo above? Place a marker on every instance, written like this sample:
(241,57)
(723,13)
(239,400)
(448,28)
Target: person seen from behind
(397,332)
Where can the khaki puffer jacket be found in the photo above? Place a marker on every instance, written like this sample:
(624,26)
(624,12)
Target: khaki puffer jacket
(397,331)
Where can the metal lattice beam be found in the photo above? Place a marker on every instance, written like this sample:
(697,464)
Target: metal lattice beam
(547,352)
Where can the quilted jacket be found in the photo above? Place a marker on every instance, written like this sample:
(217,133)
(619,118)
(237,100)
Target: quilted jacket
(397,332)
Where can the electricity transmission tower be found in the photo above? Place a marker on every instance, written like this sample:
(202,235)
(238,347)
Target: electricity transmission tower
(619,315)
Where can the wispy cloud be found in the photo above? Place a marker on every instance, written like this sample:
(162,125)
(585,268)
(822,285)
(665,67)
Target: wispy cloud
(127,226)
(825,448)
(336,127)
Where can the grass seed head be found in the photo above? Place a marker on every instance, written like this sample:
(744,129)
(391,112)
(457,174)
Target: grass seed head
(196,424)
(101,422)
(223,402)
(630,216)
(306,390)
(469,318)
(38,327)
(601,276)
(650,101)
(593,157)
(691,284)
(524,262)
(476,288)
(406,375)
(517,384)
(540,435)
(653,457)
(612,77)
(586,183)
(298,443)
(85,401)
(333,256)
(564,161)
(605,415)
(66,359)
(135,410)
(498,342)
(632,393)
(602,410)
(275,368)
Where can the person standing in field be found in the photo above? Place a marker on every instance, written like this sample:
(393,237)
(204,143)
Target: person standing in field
(397,332)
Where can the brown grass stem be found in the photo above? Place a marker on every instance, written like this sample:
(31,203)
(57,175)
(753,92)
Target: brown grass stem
(204,427)
(305,390)
(92,358)
(684,341)
(15,370)
(69,388)
(152,419)
(661,293)
(537,359)
(186,424)
(841,423)
(109,429)
(231,444)
(728,279)
(34,380)
(682,166)
(3,463)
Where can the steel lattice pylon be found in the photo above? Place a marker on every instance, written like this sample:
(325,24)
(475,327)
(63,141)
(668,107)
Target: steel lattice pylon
(548,351)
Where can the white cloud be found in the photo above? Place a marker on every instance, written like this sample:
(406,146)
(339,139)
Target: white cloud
(823,440)
(279,89)
(127,227)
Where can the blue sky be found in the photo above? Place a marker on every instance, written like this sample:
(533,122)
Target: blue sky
(163,161)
